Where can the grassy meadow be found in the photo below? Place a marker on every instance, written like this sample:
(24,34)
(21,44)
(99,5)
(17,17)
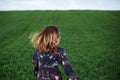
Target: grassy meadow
(91,39)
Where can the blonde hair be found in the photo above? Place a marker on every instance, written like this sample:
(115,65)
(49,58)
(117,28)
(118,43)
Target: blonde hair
(46,40)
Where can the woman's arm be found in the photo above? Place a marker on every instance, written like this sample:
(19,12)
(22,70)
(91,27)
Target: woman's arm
(35,64)
(67,67)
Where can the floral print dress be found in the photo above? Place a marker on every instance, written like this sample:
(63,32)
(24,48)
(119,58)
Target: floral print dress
(46,65)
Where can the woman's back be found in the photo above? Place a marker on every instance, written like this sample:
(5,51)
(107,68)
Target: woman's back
(46,65)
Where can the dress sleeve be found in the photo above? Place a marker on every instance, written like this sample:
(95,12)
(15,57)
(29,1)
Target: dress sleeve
(35,64)
(67,67)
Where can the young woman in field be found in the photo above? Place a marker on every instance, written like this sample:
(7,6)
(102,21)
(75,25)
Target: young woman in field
(48,55)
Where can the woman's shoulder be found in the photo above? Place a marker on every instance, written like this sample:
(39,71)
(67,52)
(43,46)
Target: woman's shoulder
(35,55)
(60,49)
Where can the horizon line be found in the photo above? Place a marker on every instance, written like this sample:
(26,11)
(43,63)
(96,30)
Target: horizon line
(61,9)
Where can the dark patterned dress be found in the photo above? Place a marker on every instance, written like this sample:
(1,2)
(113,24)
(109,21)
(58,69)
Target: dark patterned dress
(46,65)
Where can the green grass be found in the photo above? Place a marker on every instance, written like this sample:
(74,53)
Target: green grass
(91,39)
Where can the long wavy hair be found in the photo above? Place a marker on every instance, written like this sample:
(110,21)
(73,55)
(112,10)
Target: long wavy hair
(46,40)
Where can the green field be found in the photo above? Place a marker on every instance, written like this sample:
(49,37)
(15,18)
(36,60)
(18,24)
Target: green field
(91,39)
